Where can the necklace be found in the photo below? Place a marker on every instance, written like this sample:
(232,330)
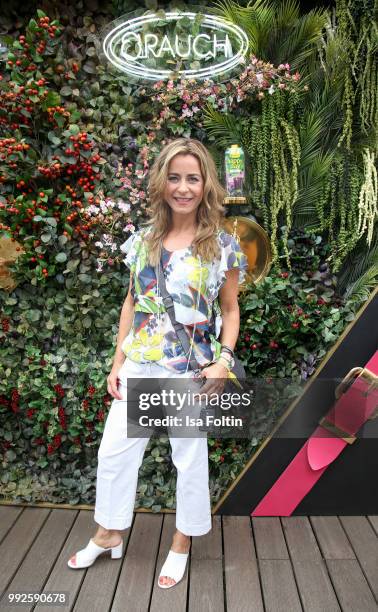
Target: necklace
(158,295)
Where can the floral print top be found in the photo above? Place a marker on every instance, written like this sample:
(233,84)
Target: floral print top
(194,286)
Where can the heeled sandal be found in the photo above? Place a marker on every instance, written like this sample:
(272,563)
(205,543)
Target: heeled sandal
(88,555)
(174,567)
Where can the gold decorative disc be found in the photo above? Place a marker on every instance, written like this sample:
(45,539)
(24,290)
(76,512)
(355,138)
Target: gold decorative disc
(10,250)
(255,244)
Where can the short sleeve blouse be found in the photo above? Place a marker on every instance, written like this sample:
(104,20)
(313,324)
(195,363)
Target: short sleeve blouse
(194,286)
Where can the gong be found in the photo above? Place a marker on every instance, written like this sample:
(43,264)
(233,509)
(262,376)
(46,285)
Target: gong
(255,244)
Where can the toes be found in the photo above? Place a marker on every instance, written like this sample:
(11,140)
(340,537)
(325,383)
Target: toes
(73,560)
(166,580)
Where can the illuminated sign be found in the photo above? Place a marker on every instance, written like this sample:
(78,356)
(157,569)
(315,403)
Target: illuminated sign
(190,45)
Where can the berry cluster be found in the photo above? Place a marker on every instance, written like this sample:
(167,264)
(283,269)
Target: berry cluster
(42,31)
(10,151)
(57,441)
(62,417)
(56,110)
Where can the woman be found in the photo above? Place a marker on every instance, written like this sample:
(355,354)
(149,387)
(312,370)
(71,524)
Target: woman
(200,263)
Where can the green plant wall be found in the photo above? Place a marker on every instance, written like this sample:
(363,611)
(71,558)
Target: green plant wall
(77,140)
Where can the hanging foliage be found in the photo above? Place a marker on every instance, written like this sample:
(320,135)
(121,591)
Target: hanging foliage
(273,145)
(367,203)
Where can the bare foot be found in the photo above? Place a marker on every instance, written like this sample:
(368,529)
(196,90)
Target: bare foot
(180,544)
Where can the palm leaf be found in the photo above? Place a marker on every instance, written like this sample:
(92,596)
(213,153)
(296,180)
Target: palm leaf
(225,129)
(359,261)
(255,19)
(360,290)
(294,36)
(277,34)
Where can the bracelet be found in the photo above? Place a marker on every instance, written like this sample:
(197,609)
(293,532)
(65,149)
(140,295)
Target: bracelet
(227,349)
(225,362)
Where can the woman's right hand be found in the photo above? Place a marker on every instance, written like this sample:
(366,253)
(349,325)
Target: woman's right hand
(113,381)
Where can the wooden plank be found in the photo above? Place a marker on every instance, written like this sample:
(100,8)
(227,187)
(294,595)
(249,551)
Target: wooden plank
(206,571)
(64,578)
(8,516)
(278,584)
(314,586)
(269,538)
(300,538)
(175,599)
(243,590)
(206,586)
(351,586)
(374,522)
(365,544)
(18,541)
(331,537)
(135,581)
(35,568)
(100,581)
(209,546)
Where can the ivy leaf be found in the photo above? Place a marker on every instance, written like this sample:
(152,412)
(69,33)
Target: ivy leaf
(10,455)
(85,278)
(66,90)
(32,25)
(33,315)
(72,265)
(61,257)
(90,67)
(53,138)
(51,221)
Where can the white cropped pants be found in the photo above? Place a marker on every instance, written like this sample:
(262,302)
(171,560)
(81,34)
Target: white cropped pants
(120,457)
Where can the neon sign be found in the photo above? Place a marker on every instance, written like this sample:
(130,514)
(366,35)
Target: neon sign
(200,46)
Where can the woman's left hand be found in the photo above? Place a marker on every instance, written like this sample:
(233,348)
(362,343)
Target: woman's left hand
(215,375)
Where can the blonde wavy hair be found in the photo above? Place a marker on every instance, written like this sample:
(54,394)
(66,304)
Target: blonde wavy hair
(209,212)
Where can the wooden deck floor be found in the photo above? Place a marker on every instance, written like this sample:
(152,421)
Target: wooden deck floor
(315,564)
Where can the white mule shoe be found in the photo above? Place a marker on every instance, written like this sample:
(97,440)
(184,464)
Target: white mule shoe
(174,567)
(88,555)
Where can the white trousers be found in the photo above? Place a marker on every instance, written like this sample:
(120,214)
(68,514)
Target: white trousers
(120,457)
